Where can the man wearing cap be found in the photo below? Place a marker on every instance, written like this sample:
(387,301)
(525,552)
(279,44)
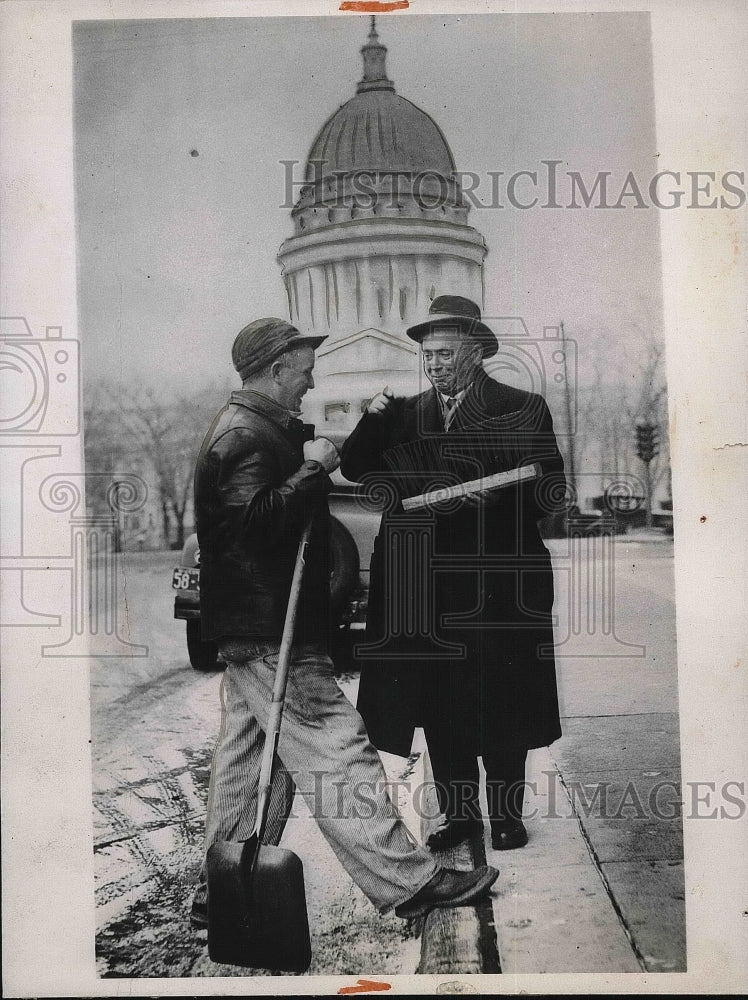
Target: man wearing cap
(260,474)
(476,668)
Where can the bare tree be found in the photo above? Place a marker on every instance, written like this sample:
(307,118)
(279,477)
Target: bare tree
(624,384)
(155,433)
(169,432)
(104,450)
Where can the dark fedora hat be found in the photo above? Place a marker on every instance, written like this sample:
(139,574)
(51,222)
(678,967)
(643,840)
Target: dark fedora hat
(264,340)
(459,314)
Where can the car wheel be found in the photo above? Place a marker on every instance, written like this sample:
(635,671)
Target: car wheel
(344,572)
(203,655)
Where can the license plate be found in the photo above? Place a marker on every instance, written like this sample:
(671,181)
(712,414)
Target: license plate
(185,579)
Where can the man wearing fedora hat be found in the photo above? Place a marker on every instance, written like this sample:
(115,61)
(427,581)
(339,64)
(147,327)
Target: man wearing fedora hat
(260,474)
(480,677)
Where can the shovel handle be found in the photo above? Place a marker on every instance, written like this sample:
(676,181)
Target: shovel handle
(279,687)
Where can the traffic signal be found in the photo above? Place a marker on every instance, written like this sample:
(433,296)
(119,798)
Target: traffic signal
(647,441)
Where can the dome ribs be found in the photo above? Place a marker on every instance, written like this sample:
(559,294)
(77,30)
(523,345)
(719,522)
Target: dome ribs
(380,131)
(377,131)
(327,133)
(338,140)
(354,140)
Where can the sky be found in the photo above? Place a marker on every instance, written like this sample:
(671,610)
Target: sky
(181,128)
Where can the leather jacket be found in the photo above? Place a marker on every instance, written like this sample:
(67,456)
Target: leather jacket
(253,491)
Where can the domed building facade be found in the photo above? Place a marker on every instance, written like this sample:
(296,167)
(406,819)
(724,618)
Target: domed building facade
(380,229)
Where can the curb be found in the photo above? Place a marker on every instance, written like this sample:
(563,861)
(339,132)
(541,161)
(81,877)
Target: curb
(462,940)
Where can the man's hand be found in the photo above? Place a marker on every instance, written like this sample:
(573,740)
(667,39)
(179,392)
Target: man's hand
(478,498)
(381,401)
(322,450)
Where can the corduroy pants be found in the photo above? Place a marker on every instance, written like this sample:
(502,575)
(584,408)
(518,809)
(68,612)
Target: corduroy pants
(325,751)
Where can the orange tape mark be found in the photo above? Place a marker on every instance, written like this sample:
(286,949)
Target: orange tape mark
(365,986)
(373,7)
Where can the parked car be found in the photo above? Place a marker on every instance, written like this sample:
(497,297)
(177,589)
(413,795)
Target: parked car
(352,531)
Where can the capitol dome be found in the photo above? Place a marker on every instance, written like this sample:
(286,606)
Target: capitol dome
(378,154)
(380,229)
(379,130)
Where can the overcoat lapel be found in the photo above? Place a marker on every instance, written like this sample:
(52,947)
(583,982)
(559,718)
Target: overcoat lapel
(484,398)
(428,414)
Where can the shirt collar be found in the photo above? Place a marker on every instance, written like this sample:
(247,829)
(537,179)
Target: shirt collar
(458,396)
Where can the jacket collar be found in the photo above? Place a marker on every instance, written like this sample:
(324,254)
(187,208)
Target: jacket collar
(266,406)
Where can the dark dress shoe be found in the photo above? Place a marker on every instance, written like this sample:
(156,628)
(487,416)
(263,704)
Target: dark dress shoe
(454,833)
(448,888)
(508,836)
(199,909)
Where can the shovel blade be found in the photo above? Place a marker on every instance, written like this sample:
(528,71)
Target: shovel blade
(257,918)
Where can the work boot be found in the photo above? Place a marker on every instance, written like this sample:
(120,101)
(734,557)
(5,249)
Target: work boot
(199,909)
(448,888)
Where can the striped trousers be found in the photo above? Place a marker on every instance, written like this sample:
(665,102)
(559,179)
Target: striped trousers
(325,752)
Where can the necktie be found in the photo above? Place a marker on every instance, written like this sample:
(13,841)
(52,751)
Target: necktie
(450,405)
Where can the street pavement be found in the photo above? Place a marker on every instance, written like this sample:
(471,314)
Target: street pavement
(599,887)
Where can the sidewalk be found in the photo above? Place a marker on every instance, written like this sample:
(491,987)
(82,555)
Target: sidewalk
(600,886)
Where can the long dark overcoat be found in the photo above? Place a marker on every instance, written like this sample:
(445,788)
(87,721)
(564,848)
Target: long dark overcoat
(459,625)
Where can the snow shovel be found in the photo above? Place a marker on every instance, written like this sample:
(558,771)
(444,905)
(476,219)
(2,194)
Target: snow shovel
(256,901)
